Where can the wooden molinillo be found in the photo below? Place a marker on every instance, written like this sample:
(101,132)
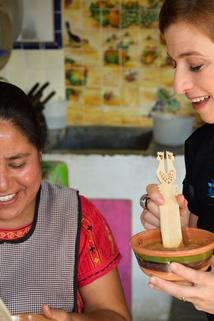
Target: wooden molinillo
(170,223)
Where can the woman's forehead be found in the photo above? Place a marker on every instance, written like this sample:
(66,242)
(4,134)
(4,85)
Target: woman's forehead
(185,39)
(8,129)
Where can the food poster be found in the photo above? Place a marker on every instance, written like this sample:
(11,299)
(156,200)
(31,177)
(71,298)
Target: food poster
(115,60)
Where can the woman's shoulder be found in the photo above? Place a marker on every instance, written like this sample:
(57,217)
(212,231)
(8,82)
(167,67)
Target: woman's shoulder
(90,213)
(98,251)
(198,133)
(201,135)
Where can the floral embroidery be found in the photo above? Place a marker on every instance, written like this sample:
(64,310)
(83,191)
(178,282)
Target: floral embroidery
(93,254)
(14,234)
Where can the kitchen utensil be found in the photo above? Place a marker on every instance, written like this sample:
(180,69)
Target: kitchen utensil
(154,260)
(170,222)
(43,102)
(33,89)
(35,95)
(4,312)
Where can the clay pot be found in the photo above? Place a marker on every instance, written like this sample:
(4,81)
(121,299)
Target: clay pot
(29,317)
(156,262)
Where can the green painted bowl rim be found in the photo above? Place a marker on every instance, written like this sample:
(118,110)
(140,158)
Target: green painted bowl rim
(182,255)
(180,259)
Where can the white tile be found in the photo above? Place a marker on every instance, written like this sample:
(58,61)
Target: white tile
(18,79)
(17,60)
(54,58)
(35,58)
(55,76)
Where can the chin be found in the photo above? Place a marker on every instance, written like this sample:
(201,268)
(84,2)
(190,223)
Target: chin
(207,118)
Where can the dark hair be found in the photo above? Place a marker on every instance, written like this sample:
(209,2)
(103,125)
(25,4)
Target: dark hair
(16,108)
(199,13)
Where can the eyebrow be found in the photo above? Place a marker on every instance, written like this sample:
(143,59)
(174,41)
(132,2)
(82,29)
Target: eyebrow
(18,156)
(186,54)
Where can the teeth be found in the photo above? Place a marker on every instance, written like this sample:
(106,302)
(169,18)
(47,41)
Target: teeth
(197,100)
(6,197)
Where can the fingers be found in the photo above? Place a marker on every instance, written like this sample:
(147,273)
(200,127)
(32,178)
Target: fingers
(54,314)
(184,211)
(150,216)
(178,290)
(154,194)
(196,280)
(168,287)
(153,208)
(199,291)
(149,220)
(182,270)
(182,201)
(46,311)
(191,275)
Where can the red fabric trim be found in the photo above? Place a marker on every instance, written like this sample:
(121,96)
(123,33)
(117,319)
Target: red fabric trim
(100,272)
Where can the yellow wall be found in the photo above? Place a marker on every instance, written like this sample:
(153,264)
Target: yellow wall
(110,67)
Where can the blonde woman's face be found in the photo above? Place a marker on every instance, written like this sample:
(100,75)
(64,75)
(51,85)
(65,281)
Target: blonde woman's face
(20,177)
(192,54)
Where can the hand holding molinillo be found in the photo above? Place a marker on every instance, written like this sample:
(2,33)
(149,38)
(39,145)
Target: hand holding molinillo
(155,249)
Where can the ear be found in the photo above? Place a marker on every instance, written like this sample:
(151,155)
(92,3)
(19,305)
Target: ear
(40,156)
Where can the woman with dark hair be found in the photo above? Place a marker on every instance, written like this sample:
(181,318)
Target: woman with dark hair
(57,254)
(188,29)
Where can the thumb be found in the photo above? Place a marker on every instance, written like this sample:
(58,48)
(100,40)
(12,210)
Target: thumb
(184,211)
(48,312)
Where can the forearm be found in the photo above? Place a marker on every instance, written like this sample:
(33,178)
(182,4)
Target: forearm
(99,315)
(103,301)
(94,315)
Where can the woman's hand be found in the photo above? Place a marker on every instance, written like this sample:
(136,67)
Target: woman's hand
(55,314)
(150,217)
(200,292)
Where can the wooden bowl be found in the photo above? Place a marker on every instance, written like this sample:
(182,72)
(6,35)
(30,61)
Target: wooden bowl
(29,317)
(156,262)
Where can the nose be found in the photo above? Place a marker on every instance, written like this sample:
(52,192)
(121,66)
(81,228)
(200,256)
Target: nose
(183,81)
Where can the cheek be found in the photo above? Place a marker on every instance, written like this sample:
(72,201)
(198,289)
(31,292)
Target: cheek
(30,176)
(207,81)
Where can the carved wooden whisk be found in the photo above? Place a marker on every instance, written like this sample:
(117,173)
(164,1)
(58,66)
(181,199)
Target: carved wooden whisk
(170,223)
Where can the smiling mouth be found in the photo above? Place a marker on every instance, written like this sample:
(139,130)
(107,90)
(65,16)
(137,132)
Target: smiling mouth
(7,198)
(200,100)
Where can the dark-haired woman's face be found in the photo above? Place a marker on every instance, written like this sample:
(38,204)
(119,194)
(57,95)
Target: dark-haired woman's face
(192,52)
(20,177)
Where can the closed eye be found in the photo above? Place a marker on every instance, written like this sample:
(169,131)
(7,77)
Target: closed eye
(196,68)
(14,166)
